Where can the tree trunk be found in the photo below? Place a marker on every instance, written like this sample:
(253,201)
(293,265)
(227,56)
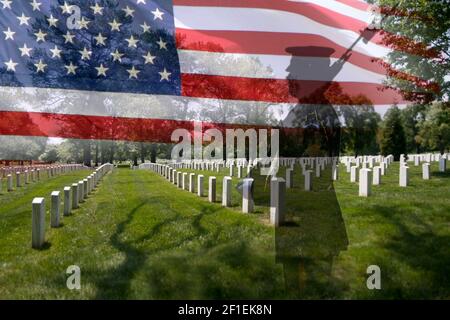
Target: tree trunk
(97,150)
(142,146)
(111,155)
(87,156)
(153,153)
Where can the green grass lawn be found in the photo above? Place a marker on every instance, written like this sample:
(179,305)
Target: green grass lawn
(140,237)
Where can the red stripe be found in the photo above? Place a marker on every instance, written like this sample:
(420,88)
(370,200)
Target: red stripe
(276,44)
(355,4)
(267,43)
(317,13)
(98,128)
(277,90)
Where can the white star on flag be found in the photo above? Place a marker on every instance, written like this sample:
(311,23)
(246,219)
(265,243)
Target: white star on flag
(157,14)
(68,37)
(25,51)
(66,8)
(71,68)
(133,72)
(97,9)
(128,11)
(11,65)
(40,36)
(56,53)
(132,42)
(145,27)
(36,5)
(115,26)
(6,4)
(149,59)
(83,23)
(52,22)
(40,66)
(162,44)
(101,70)
(100,39)
(9,34)
(85,54)
(165,75)
(117,56)
(23,19)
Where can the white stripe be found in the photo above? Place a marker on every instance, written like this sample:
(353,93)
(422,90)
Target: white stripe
(273,67)
(266,20)
(143,106)
(342,8)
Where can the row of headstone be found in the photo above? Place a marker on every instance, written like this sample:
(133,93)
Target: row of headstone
(51,170)
(24,177)
(368,177)
(73,196)
(180,179)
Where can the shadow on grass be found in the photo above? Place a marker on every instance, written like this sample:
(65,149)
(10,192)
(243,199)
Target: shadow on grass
(426,253)
(116,283)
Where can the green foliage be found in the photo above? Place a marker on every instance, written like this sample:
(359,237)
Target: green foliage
(359,133)
(425,22)
(412,118)
(393,134)
(21,148)
(435,130)
(50,156)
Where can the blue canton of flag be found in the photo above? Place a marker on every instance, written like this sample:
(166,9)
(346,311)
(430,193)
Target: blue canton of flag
(103,45)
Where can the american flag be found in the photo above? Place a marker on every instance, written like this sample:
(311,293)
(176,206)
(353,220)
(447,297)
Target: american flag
(138,69)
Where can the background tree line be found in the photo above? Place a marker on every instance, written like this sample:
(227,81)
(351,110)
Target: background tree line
(414,129)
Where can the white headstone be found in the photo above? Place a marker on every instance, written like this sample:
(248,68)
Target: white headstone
(247,196)
(184,181)
(200,189)
(212,189)
(426,171)
(80,191)
(85,188)
(404,179)
(376,176)
(226,192)
(75,196)
(442,165)
(9,182)
(179,177)
(67,205)
(192,182)
(365,177)
(56,200)
(289,178)
(277,201)
(354,174)
(335,172)
(308,180)
(38,223)
(18,180)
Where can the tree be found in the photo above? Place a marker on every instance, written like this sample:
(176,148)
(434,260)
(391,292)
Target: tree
(435,130)
(412,118)
(418,31)
(359,134)
(50,155)
(393,134)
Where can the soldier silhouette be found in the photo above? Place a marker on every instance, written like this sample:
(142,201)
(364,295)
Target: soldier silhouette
(314,232)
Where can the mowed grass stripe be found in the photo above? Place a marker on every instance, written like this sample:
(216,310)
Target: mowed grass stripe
(139,237)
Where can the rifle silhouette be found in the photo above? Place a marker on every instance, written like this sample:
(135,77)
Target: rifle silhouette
(346,54)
